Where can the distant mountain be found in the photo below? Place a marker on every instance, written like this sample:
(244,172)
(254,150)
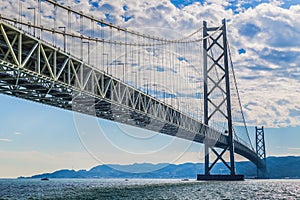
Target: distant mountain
(278,167)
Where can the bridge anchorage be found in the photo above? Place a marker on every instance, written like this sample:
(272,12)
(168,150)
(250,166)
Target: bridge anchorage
(34,68)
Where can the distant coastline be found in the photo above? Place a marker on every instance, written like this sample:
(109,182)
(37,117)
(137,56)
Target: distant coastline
(278,168)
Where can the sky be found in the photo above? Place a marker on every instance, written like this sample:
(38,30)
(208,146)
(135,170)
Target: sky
(264,42)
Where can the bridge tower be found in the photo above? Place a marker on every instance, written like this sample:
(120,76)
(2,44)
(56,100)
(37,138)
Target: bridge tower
(216,83)
(261,151)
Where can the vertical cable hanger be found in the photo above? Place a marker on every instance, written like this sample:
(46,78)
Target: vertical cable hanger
(111,51)
(20,12)
(126,50)
(54,25)
(39,17)
(70,30)
(93,63)
(114,60)
(81,39)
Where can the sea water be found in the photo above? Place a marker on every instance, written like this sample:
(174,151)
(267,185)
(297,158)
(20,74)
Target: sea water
(147,189)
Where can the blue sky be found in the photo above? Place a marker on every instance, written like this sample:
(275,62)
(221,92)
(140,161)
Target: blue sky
(43,138)
(264,39)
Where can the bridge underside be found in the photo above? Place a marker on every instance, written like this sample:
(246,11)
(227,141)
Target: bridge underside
(34,70)
(25,85)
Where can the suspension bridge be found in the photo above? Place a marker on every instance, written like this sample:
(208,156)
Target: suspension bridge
(183,87)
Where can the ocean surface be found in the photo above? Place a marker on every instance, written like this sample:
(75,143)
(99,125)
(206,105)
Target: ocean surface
(147,189)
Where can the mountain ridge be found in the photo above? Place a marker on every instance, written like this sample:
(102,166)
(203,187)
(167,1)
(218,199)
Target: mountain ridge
(278,167)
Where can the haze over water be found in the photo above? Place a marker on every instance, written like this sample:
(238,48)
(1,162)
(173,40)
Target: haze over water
(147,189)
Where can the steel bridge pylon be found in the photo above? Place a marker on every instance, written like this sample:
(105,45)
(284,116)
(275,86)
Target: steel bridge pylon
(216,82)
(261,151)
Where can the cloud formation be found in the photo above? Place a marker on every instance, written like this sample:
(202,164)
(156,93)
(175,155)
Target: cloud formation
(268,71)
(264,39)
(5,140)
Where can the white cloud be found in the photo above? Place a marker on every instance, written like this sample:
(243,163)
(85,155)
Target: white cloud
(5,140)
(294,149)
(269,70)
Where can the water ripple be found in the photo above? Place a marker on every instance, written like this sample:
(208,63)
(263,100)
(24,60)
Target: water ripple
(145,189)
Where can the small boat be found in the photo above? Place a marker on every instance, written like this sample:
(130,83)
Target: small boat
(44,179)
(185,179)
